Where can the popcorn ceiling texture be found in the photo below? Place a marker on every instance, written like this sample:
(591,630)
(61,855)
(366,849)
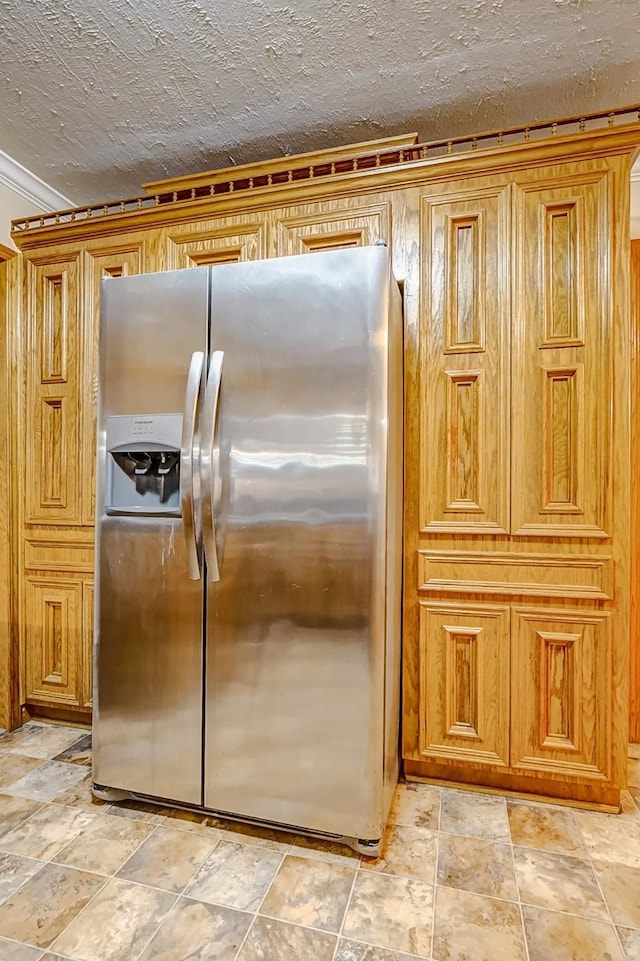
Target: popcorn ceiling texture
(98,97)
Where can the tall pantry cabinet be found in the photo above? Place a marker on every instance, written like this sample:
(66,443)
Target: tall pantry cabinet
(513,261)
(522,532)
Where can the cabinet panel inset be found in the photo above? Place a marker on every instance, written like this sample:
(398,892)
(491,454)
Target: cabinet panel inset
(53,349)
(562,280)
(217,242)
(465,316)
(465,417)
(561,674)
(562,358)
(463,435)
(557,698)
(462,694)
(50,641)
(331,226)
(577,576)
(53,450)
(564,445)
(464,681)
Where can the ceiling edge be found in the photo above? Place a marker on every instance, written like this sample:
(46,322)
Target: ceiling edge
(27,185)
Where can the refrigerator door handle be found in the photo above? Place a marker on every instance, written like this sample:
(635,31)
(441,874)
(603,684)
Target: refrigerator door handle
(209,417)
(191,399)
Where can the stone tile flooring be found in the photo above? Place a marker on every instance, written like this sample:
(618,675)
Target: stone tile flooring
(462,877)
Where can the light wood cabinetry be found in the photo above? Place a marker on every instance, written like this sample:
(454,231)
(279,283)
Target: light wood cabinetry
(330,226)
(464,657)
(58,416)
(465,486)
(513,261)
(52,416)
(521,500)
(218,241)
(634,691)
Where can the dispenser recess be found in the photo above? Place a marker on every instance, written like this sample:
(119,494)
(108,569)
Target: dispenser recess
(143,475)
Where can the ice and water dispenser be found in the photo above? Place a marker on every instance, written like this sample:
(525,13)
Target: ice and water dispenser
(143,454)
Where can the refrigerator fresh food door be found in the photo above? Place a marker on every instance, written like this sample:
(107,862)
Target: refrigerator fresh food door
(295,623)
(149,603)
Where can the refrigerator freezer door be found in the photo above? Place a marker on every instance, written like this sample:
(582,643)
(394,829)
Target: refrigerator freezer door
(148,690)
(294,702)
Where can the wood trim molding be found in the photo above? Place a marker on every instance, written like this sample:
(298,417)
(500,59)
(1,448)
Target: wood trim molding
(377,171)
(6,253)
(634,631)
(27,185)
(9,700)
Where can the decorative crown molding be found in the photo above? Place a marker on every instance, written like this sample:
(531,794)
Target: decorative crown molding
(27,185)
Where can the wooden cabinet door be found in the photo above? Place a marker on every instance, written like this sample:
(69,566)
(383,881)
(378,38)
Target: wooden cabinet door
(562,357)
(457,653)
(464,683)
(465,335)
(561,692)
(331,225)
(52,643)
(222,241)
(53,361)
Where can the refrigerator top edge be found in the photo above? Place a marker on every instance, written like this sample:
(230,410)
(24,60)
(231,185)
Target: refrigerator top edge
(374,254)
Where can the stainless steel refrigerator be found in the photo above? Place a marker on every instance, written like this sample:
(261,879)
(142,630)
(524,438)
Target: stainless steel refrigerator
(248,561)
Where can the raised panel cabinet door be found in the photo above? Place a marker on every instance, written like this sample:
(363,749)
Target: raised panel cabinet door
(51,635)
(465,337)
(464,683)
(562,680)
(120,261)
(330,226)
(222,241)
(52,357)
(562,360)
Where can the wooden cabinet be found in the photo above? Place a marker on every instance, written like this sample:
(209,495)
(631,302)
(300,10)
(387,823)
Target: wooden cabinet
(57,468)
(524,395)
(562,355)
(218,241)
(464,658)
(52,417)
(53,670)
(331,226)
(466,338)
(513,262)
(560,681)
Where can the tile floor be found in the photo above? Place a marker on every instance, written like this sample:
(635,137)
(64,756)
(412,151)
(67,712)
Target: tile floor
(463,877)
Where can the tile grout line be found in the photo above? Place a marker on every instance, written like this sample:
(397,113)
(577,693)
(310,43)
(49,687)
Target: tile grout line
(346,907)
(181,893)
(623,953)
(435,876)
(157,927)
(43,864)
(51,946)
(518,892)
(255,913)
(65,843)
(107,879)
(127,859)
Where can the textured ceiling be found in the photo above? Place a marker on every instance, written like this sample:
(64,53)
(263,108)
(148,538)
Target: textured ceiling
(98,97)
